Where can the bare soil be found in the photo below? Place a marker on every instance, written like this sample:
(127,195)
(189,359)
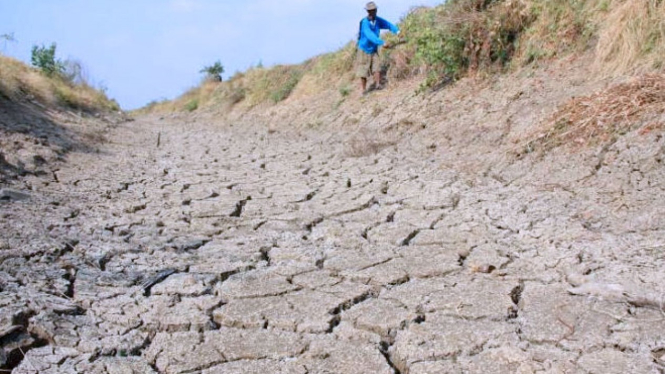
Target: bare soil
(395,233)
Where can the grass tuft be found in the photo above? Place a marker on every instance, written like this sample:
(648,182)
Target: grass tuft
(192,105)
(632,38)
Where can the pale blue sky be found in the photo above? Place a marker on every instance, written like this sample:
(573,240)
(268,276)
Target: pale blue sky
(144,50)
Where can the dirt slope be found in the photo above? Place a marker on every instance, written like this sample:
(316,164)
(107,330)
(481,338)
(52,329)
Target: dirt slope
(393,233)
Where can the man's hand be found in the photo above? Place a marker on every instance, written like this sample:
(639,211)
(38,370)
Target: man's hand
(387,45)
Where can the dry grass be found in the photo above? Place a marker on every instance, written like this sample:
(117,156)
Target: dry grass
(194,99)
(605,115)
(366,142)
(463,37)
(363,144)
(272,85)
(632,37)
(558,27)
(327,71)
(18,81)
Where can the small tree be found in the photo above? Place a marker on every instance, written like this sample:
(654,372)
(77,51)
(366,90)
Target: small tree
(214,72)
(44,59)
(7,38)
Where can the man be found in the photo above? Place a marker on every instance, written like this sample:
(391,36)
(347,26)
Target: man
(369,43)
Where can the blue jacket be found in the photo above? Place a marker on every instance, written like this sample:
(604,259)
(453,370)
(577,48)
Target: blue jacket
(369,40)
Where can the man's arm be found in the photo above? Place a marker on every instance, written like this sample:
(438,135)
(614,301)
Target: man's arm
(369,34)
(385,25)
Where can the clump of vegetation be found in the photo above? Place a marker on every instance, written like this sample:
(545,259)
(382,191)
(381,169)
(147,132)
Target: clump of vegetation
(275,84)
(213,72)
(284,90)
(333,64)
(52,82)
(462,35)
(605,115)
(192,105)
(44,59)
(559,27)
(364,144)
(631,37)
(7,37)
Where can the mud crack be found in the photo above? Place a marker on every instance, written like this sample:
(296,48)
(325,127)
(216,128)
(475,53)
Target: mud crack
(149,283)
(240,206)
(384,348)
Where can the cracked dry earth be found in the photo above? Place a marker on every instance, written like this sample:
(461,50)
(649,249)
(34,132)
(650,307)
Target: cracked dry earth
(238,250)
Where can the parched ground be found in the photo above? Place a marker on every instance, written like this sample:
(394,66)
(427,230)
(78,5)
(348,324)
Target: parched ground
(186,245)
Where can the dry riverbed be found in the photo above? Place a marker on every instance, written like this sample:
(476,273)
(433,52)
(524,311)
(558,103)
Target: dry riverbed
(186,246)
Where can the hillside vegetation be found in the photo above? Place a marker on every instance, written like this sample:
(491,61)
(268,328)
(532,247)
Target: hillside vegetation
(19,81)
(462,37)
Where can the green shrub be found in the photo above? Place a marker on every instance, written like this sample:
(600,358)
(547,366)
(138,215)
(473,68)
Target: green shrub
(44,59)
(192,105)
(462,35)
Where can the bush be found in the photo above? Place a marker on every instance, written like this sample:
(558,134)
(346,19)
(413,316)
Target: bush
(44,59)
(214,71)
(462,35)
